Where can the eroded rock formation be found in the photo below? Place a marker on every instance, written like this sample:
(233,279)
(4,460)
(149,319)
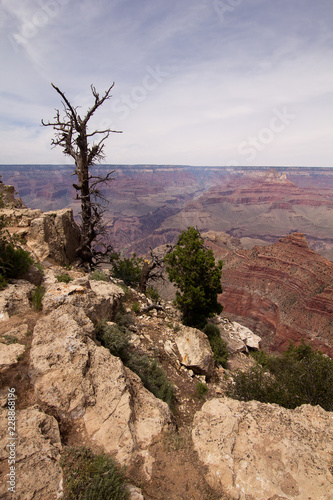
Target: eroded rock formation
(49,235)
(256,451)
(282,292)
(38,474)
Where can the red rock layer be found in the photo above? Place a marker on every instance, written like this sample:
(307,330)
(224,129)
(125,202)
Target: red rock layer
(282,291)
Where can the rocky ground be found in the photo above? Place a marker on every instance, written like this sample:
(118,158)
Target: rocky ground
(71,390)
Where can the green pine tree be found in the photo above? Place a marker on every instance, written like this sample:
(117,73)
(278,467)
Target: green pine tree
(191,266)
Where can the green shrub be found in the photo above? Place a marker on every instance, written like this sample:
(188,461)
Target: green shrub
(64,278)
(127,269)
(136,307)
(3,282)
(10,339)
(261,358)
(14,261)
(114,338)
(152,375)
(201,389)
(153,294)
(211,330)
(220,350)
(40,267)
(123,318)
(98,276)
(92,477)
(37,297)
(300,376)
(218,345)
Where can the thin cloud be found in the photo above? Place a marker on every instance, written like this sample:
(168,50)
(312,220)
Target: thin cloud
(194,79)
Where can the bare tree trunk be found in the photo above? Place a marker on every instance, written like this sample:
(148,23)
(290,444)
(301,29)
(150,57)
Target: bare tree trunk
(71,134)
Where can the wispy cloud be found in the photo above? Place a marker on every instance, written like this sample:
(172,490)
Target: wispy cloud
(191,84)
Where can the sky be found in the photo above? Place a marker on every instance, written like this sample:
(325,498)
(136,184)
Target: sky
(196,82)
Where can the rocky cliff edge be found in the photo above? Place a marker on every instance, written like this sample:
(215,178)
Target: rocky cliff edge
(71,390)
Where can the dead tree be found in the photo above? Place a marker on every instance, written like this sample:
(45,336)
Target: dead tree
(71,133)
(153,268)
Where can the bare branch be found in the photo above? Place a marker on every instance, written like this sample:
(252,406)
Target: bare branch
(104,132)
(98,102)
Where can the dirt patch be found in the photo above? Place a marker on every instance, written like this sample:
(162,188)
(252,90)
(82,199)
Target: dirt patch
(18,375)
(177,473)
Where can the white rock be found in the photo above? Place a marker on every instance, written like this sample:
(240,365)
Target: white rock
(135,493)
(75,378)
(14,299)
(195,351)
(258,451)
(54,235)
(37,453)
(9,354)
(99,299)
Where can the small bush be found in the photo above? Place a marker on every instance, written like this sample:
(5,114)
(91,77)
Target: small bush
(153,294)
(40,267)
(201,389)
(300,376)
(176,440)
(3,282)
(261,358)
(211,330)
(64,278)
(92,477)
(136,307)
(152,375)
(14,261)
(127,269)
(37,297)
(114,338)
(218,345)
(124,319)
(220,350)
(98,276)
(10,339)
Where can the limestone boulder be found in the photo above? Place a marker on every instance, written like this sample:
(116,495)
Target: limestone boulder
(239,338)
(8,197)
(135,493)
(195,351)
(20,217)
(37,453)
(18,332)
(9,355)
(99,299)
(54,235)
(59,360)
(76,379)
(257,451)
(15,299)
